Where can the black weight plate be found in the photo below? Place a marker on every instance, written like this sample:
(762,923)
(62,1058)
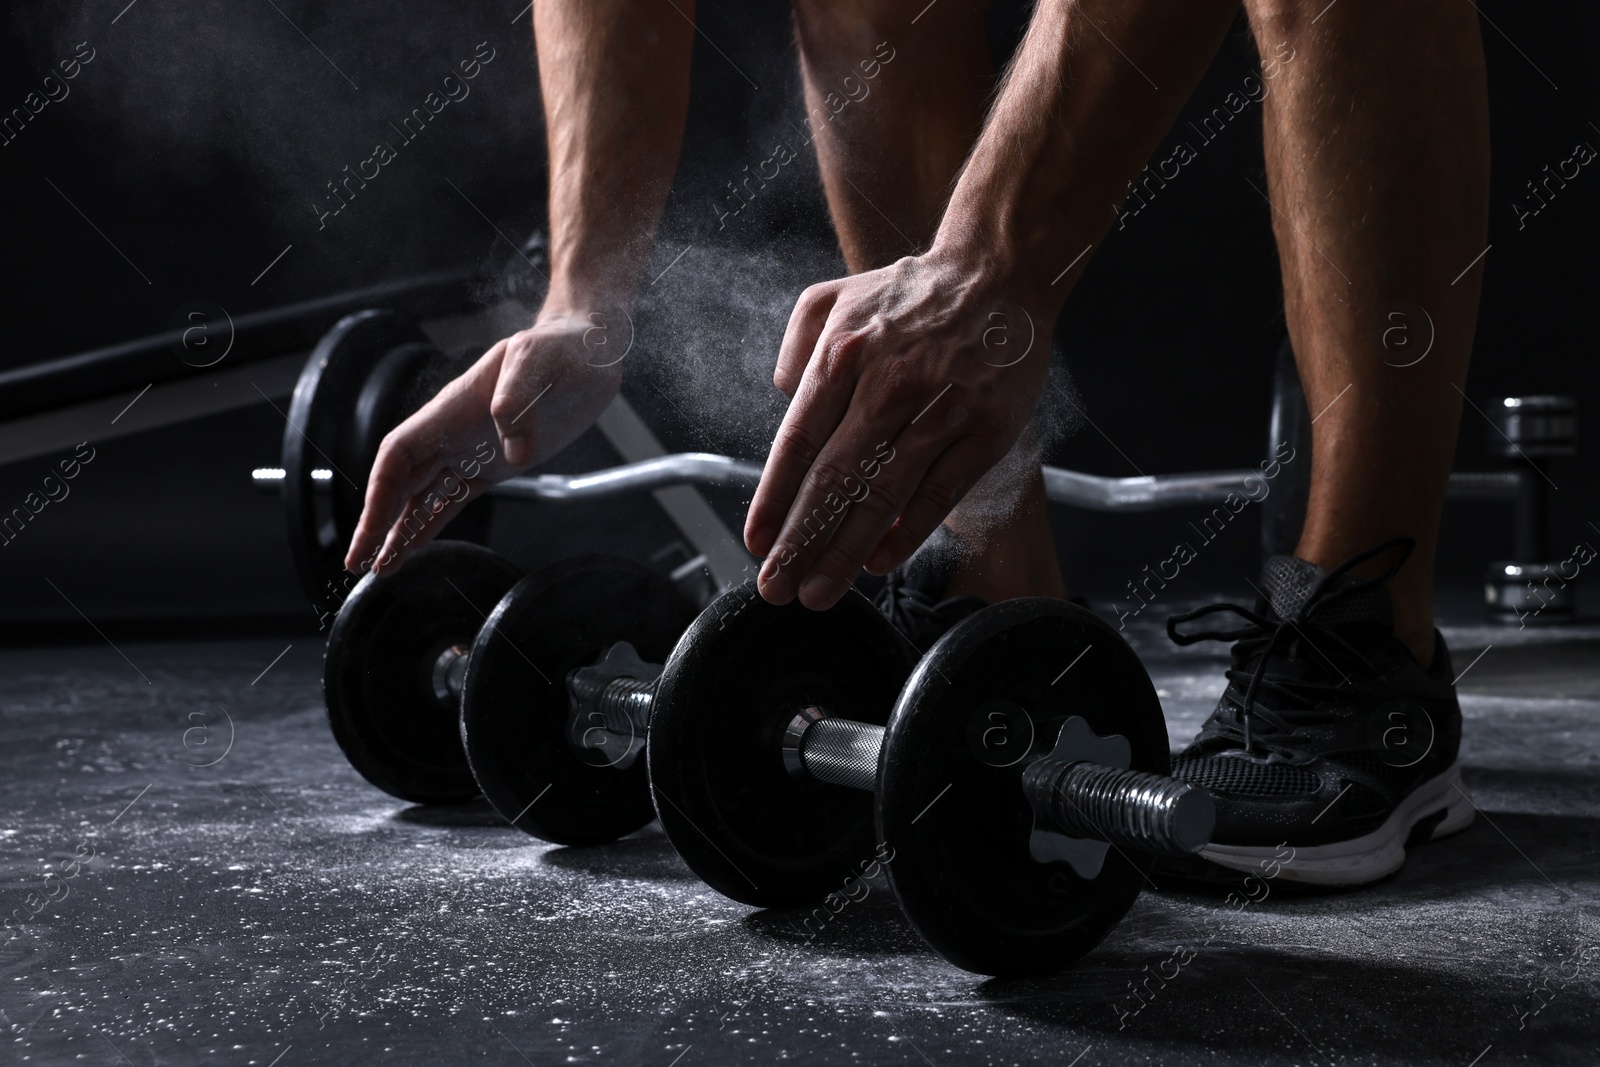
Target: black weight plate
(377,674)
(741,672)
(320,419)
(406,377)
(1283,512)
(958,826)
(515,706)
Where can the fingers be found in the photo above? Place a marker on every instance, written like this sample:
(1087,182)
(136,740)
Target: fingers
(412,455)
(839,519)
(397,475)
(944,485)
(422,518)
(437,454)
(871,504)
(820,402)
(886,519)
(831,512)
(800,337)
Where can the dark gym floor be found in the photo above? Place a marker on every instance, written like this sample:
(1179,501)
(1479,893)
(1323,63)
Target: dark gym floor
(228,891)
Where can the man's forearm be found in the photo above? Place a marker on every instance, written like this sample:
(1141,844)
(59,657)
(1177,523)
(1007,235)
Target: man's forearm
(614,75)
(1094,88)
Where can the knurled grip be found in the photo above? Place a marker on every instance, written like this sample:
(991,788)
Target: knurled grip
(1146,812)
(842,752)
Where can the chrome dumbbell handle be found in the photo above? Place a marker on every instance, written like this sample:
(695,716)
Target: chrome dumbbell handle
(837,751)
(1134,809)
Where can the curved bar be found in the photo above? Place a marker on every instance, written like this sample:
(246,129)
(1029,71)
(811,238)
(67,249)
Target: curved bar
(1147,493)
(1062,486)
(683,468)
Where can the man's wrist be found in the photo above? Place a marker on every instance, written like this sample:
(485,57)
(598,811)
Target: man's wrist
(992,261)
(563,301)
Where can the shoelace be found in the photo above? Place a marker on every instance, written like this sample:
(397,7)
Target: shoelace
(1262,637)
(903,604)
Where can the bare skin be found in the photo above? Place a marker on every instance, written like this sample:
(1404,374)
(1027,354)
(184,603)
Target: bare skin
(899,354)
(615,79)
(1355,240)
(889,158)
(888,164)
(1377,160)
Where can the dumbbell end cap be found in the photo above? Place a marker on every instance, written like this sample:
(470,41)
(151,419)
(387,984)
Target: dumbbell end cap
(1532,427)
(1523,593)
(1194,819)
(793,734)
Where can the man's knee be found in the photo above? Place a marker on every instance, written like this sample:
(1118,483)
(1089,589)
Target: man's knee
(1279,13)
(1279,26)
(891,19)
(1274,20)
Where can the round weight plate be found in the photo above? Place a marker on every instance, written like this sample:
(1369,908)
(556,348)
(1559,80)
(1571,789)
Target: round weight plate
(744,669)
(406,376)
(1287,467)
(952,816)
(377,674)
(515,708)
(364,377)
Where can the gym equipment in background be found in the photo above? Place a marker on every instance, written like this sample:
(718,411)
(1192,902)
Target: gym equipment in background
(353,391)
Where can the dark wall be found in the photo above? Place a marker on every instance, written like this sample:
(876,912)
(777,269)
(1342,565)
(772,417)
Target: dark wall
(196,146)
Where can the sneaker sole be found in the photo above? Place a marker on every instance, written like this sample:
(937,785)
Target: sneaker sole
(1367,858)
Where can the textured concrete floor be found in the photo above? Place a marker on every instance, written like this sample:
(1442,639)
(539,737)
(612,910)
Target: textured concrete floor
(223,889)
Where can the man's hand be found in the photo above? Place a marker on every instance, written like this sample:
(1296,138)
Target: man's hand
(907,383)
(911,381)
(522,402)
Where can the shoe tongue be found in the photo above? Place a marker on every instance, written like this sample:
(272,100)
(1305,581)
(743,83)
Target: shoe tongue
(1289,581)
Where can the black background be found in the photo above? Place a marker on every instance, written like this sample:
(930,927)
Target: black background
(201,134)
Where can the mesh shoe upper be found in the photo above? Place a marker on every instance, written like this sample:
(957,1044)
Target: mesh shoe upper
(1327,720)
(912,596)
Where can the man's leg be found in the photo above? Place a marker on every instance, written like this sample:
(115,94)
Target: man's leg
(1377,148)
(1338,747)
(894,108)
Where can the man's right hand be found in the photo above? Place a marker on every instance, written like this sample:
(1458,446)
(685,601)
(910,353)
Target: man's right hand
(523,401)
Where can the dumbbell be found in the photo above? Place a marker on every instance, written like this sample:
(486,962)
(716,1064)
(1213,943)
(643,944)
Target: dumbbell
(400,652)
(557,694)
(1527,433)
(1021,812)
(1016,794)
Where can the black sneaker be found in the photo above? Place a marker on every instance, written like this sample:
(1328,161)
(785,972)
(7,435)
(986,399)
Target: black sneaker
(1332,749)
(912,596)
